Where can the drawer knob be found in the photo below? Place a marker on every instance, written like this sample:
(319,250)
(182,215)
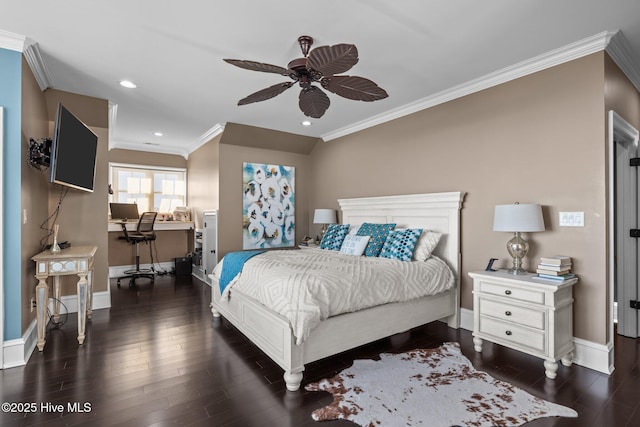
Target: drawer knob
(507,292)
(507,313)
(508,333)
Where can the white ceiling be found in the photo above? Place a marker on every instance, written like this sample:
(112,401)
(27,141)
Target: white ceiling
(417,50)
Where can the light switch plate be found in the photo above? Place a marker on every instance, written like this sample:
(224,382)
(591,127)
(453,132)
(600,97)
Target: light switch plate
(571,219)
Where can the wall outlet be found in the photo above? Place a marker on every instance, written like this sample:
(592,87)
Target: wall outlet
(32,306)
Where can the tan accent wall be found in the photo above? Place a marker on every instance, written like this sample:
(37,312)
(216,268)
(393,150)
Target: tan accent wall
(237,146)
(215,176)
(203,179)
(537,139)
(230,216)
(169,244)
(34,188)
(82,217)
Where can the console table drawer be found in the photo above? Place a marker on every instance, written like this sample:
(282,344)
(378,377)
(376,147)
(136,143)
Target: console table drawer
(513,313)
(520,336)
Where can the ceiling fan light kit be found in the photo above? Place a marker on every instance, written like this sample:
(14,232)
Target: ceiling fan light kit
(319,66)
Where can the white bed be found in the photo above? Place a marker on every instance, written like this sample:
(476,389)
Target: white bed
(272,332)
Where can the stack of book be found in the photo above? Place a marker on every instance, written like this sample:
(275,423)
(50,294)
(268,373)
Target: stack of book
(555,269)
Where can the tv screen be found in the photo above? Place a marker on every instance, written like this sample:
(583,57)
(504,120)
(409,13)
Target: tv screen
(73,152)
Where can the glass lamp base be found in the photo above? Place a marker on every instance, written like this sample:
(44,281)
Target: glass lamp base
(514,270)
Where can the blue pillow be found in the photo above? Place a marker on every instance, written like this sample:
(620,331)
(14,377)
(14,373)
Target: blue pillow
(334,236)
(378,233)
(400,244)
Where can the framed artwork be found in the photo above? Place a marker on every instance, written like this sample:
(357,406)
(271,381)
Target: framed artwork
(268,206)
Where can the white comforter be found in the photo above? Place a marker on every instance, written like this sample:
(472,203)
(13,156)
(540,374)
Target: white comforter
(310,285)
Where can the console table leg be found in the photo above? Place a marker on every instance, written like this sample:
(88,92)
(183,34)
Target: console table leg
(42,298)
(82,307)
(90,294)
(57,296)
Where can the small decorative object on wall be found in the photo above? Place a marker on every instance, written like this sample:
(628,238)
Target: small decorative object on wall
(268,206)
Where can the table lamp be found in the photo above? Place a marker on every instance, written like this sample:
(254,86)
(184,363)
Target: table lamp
(324,217)
(518,218)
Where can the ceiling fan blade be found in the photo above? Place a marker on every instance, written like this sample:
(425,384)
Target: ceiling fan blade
(330,60)
(354,87)
(258,66)
(313,102)
(264,94)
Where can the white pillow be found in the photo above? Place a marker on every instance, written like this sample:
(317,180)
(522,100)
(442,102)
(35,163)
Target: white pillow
(354,245)
(426,244)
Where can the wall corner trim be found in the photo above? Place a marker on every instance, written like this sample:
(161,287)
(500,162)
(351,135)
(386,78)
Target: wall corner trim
(620,51)
(38,67)
(206,137)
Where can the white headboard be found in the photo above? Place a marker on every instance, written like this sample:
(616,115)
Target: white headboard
(431,211)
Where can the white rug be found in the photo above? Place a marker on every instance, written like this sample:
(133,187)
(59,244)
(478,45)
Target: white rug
(428,387)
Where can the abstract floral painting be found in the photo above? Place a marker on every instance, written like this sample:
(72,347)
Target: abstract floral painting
(268,206)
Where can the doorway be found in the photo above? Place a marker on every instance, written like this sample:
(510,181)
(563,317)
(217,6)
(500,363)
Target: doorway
(623,206)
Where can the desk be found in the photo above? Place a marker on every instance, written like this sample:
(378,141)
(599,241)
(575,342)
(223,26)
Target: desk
(73,260)
(158,226)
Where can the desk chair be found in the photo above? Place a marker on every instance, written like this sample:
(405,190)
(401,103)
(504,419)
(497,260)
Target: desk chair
(144,234)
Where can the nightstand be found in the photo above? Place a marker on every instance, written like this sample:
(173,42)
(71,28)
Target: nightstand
(308,246)
(525,314)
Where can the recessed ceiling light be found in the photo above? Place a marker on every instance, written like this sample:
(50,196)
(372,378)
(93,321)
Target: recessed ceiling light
(128,84)
(306,123)
(158,133)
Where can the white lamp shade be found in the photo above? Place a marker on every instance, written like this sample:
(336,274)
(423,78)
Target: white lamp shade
(524,218)
(324,216)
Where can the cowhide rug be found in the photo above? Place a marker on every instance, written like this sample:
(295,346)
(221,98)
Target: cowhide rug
(429,387)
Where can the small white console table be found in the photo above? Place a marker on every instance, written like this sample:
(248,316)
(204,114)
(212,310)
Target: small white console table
(76,260)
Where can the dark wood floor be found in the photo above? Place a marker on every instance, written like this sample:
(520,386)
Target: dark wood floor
(157,358)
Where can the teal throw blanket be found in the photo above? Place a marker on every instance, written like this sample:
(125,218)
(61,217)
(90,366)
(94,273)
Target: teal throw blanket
(232,266)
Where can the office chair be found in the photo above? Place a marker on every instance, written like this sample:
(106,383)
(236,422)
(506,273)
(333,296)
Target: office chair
(144,234)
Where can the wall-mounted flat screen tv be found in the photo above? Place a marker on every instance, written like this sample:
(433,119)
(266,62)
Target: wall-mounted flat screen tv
(73,152)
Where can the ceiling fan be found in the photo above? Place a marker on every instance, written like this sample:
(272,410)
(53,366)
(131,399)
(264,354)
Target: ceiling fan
(319,65)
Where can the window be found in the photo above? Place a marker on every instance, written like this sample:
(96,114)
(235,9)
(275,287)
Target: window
(158,189)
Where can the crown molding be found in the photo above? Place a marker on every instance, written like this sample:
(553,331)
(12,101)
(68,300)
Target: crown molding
(206,137)
(550,59)
(150,148)
(38,67)
(620,51)
(31,52)
(12,41)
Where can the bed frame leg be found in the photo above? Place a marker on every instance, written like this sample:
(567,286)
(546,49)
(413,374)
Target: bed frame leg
(215,313)
(293,380)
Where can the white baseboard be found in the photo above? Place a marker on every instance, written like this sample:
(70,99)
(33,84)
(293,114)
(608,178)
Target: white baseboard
(598,357)
(17,352)
(100,300)
(466,319)
(118,270)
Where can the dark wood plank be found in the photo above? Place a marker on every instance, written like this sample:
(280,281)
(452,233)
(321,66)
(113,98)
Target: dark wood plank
(158,358)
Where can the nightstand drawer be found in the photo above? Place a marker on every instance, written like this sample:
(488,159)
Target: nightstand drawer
(520,336)
(529,295)
(512,313)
